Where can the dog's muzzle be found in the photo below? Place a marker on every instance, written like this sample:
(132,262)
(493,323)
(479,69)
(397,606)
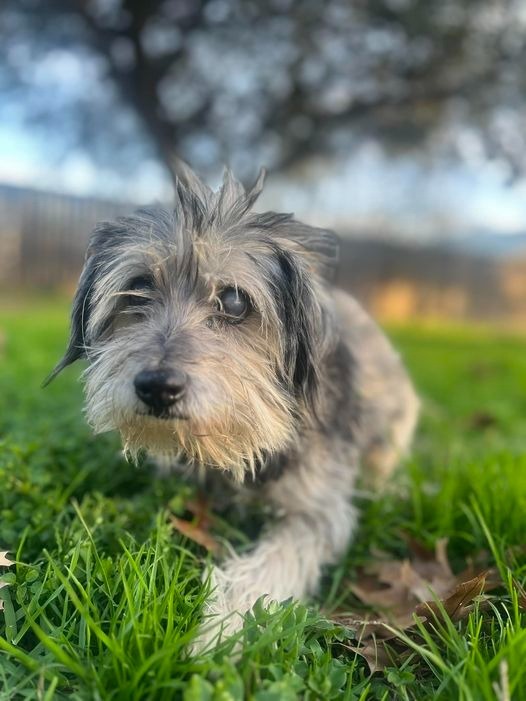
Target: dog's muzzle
(160,389)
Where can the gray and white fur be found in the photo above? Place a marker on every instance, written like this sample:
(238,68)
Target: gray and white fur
(214,337)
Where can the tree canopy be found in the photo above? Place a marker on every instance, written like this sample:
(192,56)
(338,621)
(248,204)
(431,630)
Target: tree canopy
(268,81)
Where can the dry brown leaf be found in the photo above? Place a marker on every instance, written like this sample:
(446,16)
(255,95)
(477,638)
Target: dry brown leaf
(365,628)
(395,587)
(481,420)
(458,604)
(399,590)
(200,508)
(194,532)
(375,653)
(198,529)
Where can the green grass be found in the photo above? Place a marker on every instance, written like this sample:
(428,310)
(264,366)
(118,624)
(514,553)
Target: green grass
(104,597)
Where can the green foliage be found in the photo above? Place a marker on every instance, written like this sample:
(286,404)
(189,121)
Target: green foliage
(104,598)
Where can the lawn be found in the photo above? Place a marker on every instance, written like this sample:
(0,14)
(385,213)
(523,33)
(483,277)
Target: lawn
(105,596)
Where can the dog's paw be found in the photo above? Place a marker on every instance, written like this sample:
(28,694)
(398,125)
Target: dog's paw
(222,613)
(218,625)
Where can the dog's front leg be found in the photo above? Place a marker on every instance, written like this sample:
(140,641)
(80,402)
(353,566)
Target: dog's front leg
(315,525)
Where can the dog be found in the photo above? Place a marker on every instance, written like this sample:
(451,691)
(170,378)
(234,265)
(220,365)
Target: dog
(215,338)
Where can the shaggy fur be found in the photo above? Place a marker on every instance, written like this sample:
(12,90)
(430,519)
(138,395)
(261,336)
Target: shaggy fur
(293,397)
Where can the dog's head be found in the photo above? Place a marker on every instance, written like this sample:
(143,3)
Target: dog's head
(204,327)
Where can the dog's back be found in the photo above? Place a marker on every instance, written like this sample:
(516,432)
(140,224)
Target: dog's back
(388,403)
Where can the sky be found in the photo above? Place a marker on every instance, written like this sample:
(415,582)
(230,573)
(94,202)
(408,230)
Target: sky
(25,161)
(365,191)
(420,200)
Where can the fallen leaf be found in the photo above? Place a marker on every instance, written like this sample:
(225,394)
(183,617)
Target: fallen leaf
(481,420)
(198,529)
(195,533)
(365,628)
(200,508)
(458,604)
(375,653)
(400,590)
(395,587)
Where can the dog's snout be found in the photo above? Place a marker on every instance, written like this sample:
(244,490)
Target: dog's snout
(160,389)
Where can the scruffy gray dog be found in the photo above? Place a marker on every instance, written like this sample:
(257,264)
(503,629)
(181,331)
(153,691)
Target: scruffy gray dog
(214,338)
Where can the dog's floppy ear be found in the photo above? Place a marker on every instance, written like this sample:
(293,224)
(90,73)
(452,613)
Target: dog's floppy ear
(319,247)
(305,322)
(76,347)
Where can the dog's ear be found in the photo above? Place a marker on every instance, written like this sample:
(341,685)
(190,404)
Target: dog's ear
(76,346)
(303,258)
(81,308)
(305,322)
(320,248)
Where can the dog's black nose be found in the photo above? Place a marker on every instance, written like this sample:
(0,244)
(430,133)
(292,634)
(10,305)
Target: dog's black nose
(160,389)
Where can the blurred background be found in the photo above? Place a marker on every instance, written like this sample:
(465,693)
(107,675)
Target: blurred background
(399,123)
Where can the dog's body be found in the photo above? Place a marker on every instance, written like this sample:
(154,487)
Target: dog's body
(214,336)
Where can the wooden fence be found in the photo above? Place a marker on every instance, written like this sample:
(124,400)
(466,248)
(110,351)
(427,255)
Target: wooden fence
(43,235)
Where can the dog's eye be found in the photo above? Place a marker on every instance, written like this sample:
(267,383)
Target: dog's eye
(234,303)
(139,290)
